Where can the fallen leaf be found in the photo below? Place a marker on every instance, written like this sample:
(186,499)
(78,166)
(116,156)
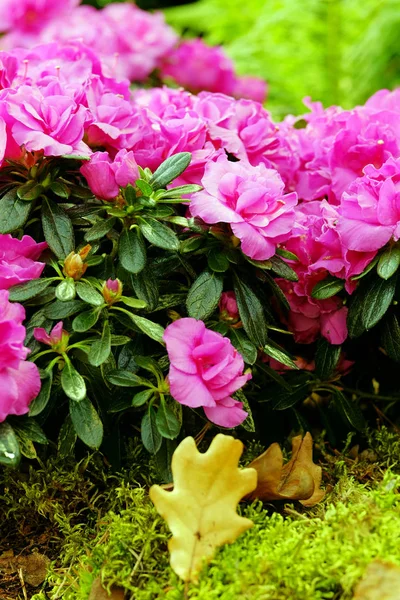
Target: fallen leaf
(34,566)
(381,581)
(201,509)
(299,479)
(98,592)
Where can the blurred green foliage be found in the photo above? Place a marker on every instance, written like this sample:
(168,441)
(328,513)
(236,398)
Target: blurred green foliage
(336,51)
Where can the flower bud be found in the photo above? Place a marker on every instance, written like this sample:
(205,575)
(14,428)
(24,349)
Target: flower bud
(112,291)
(228,307)
(74,265)
(58,338)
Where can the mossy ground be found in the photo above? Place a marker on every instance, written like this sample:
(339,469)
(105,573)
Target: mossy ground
(92,523)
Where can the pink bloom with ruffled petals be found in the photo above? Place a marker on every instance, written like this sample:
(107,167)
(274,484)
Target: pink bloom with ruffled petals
(205,371)
(19,379)
(251,199)
(106,176)
(57,338)
(18,260)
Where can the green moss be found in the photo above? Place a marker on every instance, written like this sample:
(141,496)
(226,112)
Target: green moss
(100,524)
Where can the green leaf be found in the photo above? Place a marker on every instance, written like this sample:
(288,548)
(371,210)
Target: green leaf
(62,310)
(243,345)
(251,312)
(158,234)
(100,349)
(170,169)
(328,287)
(86,320)
(282,269)
(60,189)
(145,286)
(204,295)
(10,453)
(163,460)
(218,261)
(283,399)
(30,429)
(278,353)
(87,423)
(133,302)
(286,254)
(391,337)
(13,212)
(144,187)
(88,294)
(29,191)
(349,409)
(151,437)
(369,303)
(65,291)
(99,230)
(151,329)
(120,340)
(124,378)
(73,383)
(167,423)
(180,190)
(57,229)
(389,262)
(326,359)
(30,289)
(142,397)
(66,439)
(191,244)
(248,423)
(41,401)
(132,250)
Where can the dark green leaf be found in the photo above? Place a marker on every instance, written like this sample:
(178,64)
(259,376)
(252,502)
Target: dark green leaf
(10,454)
(62,310)
(29,191)
(248,423)
(369,303)
(87,423)
(41,401)
(86,320)
(13,212)
(204,295)
(30,429)
(100,349)
(389,262)
(124,378)
(328,287)
(326,359)
(88,294)
(145,286)
(158,234)
(151,437)
(391,337)
(218,261)
(142,397)
(349,409)
(57,229)
(282,269)
(278,353)
(73,383)
(151,329)
(99,230)
(132,250)
(170,169)
(167,423)
(67,438)
(30,289)
(243,345)
(59,189)
(251,312)
(286,254)
(163,460)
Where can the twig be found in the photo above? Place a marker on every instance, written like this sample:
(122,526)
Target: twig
(21,578)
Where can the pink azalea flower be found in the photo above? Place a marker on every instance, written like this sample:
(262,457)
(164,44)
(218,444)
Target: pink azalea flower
(252,88)
(18,260)
(370,210)
(228,307)
(19,380)
(58,338)
(251,200)
(29,16)
(205,371)
(105,177)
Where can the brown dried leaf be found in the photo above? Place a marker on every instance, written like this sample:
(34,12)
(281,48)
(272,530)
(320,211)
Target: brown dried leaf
(381,581)
(299,479)
(201,510)
(98,592)
(34,566)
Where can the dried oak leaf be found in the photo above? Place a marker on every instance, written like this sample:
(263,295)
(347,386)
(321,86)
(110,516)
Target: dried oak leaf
(299,479)
(381,580)
(34,566)
(98,592)
(201,509)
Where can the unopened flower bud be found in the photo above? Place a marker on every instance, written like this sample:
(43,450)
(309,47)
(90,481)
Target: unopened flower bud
(228,307)
(112,291)
(74,265)
(58,338)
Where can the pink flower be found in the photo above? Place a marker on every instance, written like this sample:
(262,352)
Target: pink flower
(57,339)
(370,209)
(205,371)
(105,176)
(19,380)
(252,88)
(251,200)
(198,67)
(31,15)
(112,291)
(228,307)
(18,260)
(43,120)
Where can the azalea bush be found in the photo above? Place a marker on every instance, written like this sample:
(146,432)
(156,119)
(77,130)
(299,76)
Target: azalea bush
(171,262)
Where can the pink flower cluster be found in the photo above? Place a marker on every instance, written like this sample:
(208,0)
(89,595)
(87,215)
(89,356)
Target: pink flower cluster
(19,379)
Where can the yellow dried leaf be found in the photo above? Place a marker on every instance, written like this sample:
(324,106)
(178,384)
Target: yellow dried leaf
(201,509)
(299,479)
(381,581)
